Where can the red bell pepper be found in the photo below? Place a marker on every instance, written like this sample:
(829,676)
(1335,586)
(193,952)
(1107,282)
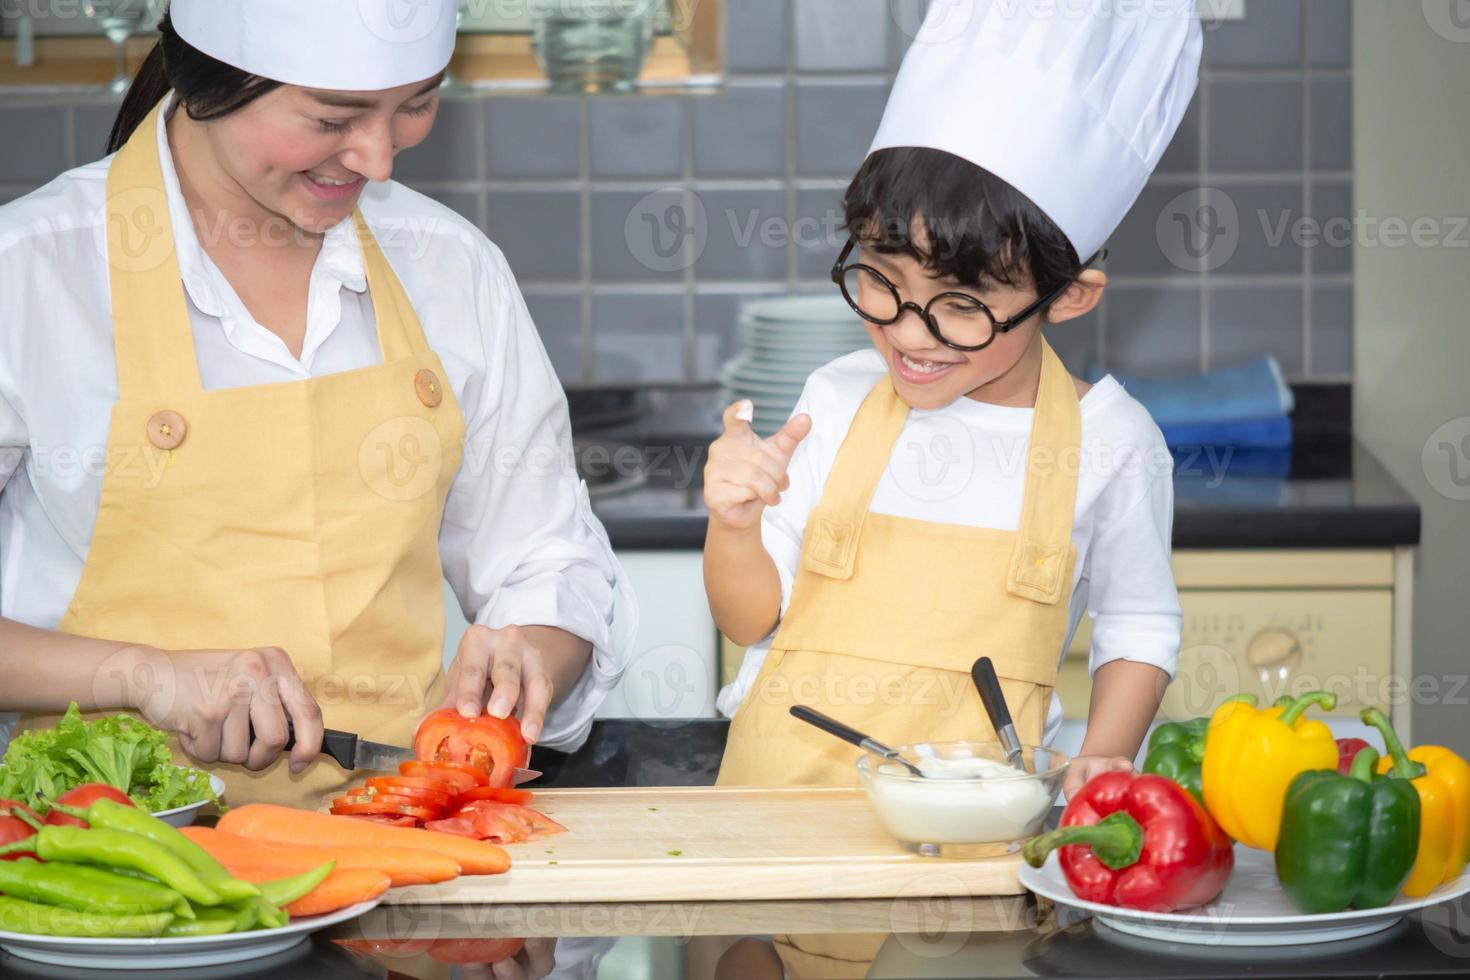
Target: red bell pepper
(1138,841)
(1347,748)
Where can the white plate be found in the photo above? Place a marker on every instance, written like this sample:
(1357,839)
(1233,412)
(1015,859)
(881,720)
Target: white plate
(1251,911)
(814,308)
(171,954)
(183,816)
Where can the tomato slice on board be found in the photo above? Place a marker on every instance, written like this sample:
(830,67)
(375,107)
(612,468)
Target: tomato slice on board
(459,778)
(489,743)
(431,790)
(507,823)
(387,819)
(390,800)
(497,794)
(381,806)
(458,826)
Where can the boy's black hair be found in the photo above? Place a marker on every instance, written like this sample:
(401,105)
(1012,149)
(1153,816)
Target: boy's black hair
(978,229)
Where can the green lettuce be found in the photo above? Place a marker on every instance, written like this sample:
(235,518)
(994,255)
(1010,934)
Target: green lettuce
(118,750)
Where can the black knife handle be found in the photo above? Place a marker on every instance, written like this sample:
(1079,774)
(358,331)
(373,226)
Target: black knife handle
(983,673)
(829,725)
(341,746)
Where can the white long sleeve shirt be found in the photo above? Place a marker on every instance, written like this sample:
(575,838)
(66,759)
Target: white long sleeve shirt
(519,543)
(965,464)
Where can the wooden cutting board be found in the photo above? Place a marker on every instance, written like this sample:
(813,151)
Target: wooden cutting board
(678,844)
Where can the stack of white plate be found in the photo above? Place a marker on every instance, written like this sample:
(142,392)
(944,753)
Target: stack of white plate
(782,341)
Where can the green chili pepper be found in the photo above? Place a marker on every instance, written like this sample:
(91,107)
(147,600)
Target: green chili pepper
(284,891)
(270,915)
(118,849)
(17,915)
(199,927)
(84,889)
(105,814)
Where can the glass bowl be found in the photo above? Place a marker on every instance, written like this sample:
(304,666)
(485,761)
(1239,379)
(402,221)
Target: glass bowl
(970,809)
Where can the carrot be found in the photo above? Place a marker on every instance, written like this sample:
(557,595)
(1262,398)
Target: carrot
(282,824)
(401,865)
(341,888)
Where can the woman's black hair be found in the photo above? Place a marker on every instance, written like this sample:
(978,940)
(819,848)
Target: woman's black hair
(208,87)
(958,220)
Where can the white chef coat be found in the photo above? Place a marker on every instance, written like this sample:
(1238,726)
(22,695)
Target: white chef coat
(519,542)
(965,464)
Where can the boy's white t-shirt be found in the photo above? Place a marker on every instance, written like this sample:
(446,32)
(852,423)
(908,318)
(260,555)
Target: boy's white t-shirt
(965,464)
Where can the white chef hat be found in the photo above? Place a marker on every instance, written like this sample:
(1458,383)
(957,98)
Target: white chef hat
(356,45)
(1072,102)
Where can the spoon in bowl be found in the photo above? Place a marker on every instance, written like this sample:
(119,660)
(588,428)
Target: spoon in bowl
(983,674)
(851,735)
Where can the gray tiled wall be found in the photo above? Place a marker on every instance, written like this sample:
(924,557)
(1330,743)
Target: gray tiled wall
(638,225)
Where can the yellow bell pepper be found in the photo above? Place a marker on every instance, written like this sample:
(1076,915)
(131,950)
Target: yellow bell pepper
(1251,756)
(1442,780)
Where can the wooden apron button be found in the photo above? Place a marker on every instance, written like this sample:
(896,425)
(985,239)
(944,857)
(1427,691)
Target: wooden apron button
(427,385)
(167,430)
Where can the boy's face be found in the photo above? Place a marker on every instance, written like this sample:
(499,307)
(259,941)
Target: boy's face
(926,373)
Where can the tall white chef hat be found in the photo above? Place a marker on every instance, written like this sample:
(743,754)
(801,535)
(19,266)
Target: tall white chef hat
(1072,102)
(357,45)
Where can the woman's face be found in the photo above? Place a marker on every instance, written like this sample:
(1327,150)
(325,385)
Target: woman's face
(306,154)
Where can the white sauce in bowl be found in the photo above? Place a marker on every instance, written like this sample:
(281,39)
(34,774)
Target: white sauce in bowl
(962,801)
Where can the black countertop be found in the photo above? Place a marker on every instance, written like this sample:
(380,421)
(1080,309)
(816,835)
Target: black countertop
(1328,492)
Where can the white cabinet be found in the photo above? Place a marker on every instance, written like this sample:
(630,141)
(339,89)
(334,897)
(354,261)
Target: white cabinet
(672,670)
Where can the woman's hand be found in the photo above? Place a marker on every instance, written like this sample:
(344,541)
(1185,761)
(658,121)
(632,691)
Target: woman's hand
(495,670)
(745,474)
(213,698)
(1084,767)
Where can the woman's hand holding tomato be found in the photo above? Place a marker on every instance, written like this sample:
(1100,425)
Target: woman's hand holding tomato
(496,670)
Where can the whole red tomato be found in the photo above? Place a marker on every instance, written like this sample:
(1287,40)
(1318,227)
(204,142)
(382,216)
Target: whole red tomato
(494,745)
(81,797)
(12,828)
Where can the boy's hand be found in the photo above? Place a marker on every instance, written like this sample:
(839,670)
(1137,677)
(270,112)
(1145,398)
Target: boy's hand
(745,473)
(1084,767)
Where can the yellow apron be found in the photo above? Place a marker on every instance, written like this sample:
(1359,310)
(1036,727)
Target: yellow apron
(303,515)
(887,615)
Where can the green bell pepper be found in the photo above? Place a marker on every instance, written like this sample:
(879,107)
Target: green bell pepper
(1347,841)
(1175,751)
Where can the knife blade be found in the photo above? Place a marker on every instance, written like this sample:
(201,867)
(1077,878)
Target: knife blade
(351,752)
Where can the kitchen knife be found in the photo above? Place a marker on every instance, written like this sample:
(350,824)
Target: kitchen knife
(351,752)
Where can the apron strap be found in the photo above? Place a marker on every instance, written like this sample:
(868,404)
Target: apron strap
(836,524)
(1044,538)
(400,335)
(155,353)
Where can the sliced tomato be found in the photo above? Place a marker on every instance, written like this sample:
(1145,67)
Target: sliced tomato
(489,743)
(498,794)
(507,823)
(388,819)
(382,806)
(458,826)
(460,778)
(433,790)
(470,951)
